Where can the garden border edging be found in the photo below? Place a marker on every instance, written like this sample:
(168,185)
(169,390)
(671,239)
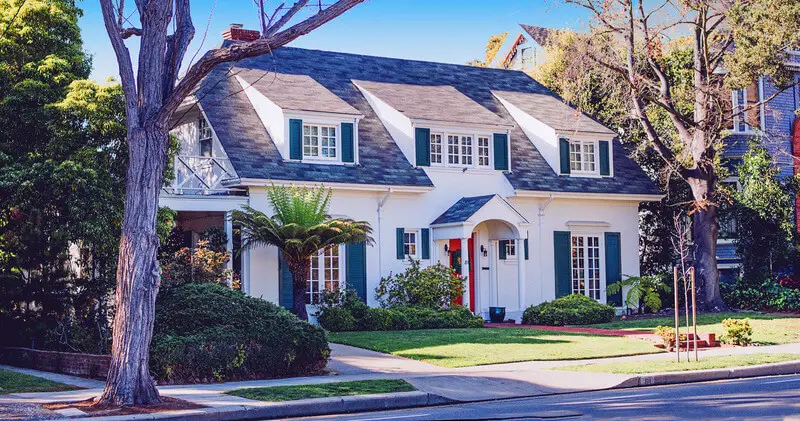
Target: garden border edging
(678,377)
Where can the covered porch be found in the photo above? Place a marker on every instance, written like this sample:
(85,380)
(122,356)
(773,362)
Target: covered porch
(486,241)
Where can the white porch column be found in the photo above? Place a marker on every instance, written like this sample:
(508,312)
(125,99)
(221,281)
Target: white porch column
(520,244)
(229,245)
(465,270)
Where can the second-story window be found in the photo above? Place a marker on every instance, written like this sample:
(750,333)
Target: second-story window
(582,156)
(204,137)
(483,151)
(436,148)
(319,141)
(747,114)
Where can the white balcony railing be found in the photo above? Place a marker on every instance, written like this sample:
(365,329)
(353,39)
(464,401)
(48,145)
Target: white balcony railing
(201,175)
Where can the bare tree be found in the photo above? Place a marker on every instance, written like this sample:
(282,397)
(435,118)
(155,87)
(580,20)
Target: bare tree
(628,42)
(153,92)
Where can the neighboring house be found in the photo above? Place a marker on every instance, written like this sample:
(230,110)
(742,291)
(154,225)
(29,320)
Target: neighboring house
(772,123)
(484,170)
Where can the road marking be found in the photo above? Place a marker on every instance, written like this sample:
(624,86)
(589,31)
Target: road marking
(783,381)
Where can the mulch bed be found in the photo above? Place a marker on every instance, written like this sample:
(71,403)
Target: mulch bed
(95,410)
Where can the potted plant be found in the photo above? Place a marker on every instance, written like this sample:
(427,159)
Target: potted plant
(497,314)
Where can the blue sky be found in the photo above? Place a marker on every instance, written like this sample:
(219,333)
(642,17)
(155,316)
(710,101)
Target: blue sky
(450,31)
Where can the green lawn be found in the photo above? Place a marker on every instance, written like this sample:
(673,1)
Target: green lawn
(470,347)
(13,382)
(662,366)
(324,390)
(767,329)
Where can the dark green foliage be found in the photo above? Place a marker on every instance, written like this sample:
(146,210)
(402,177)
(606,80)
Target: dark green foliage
(343,312)
(216,237)
(768,296)
(573,309)
(435,286)
(644,293)
(207,333)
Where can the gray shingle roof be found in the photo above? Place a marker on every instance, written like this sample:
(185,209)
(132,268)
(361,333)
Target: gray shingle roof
(254,155)
(437,103)
(539,34)
(296,92)
(463,209)
(554,112)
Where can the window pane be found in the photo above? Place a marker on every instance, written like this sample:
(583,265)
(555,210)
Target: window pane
(452,150)
(483,151)
(575,160)
(436,148)
(466,150)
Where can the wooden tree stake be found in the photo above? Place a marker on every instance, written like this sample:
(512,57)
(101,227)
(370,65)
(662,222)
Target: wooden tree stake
(677,322)
(694,316)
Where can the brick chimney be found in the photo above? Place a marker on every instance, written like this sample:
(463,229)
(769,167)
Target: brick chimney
(236,32)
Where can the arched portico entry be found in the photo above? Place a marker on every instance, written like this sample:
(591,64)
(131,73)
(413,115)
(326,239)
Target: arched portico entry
(485,239)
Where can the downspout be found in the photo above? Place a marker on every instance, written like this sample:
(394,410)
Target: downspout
(380,243)
(541,270)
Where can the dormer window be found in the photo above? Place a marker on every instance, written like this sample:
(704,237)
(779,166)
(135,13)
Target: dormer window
(204,137)
(319,142)
(461,150)
(582,156)
(585,157)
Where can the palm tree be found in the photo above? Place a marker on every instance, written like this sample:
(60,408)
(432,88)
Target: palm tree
(299,228)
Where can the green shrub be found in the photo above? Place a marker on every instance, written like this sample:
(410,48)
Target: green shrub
(769,296)
(737,331)
(435,286)
(351,314)
(573,309)
(207,333)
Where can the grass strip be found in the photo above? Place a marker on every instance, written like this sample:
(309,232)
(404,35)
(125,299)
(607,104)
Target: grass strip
(664,366)
(323,390)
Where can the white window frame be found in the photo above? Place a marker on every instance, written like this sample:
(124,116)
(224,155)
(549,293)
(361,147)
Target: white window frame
(321,270)
(586,267)
(415,243)
(442,152)
(511,250)
(337,138)
(748,129)
(460,145)
(487,148)
(581,144)
(203,127)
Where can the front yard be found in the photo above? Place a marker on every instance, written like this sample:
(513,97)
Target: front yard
(452,348)
(13,382)
(767,329)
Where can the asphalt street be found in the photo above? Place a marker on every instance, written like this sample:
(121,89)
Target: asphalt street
(764,398)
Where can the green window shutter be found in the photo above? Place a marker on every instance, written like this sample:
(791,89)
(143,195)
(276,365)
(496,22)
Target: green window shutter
(501,151)
(400,253)
(563,152)
(426,243)
(526,248)
(356,268)
(295,138)
(502,245)
(285,293)
(613,265)
(605,165)
(423,139)
(348,145)
(563,262)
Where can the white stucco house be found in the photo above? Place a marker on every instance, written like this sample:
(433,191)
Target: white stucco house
(482,169)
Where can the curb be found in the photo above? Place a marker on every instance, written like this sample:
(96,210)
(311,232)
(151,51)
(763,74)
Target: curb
(660,379)
(299,408)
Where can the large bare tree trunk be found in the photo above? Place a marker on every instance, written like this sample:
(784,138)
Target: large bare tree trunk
(138,274)
(704,237)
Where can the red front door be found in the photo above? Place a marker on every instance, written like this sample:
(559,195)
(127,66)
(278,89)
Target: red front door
(455,263)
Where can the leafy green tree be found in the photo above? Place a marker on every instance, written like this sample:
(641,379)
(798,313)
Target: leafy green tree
(764,210)
(492,47)
(299,228)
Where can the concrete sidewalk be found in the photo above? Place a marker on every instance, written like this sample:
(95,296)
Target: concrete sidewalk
(436,385)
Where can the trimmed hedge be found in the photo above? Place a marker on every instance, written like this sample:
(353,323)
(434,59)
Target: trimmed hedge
(573,309)
(210,333)
(353,315)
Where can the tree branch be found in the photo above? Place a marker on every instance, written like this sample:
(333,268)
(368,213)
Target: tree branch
(242,50)
(177,44)
(127,79)
(275,27)
(129,32)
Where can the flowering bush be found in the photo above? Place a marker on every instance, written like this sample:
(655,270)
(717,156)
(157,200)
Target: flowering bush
(790,282)
(737,331)
(435,286)
(201,266)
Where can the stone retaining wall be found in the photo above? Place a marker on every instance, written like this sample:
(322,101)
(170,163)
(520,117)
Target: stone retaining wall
(74,364)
